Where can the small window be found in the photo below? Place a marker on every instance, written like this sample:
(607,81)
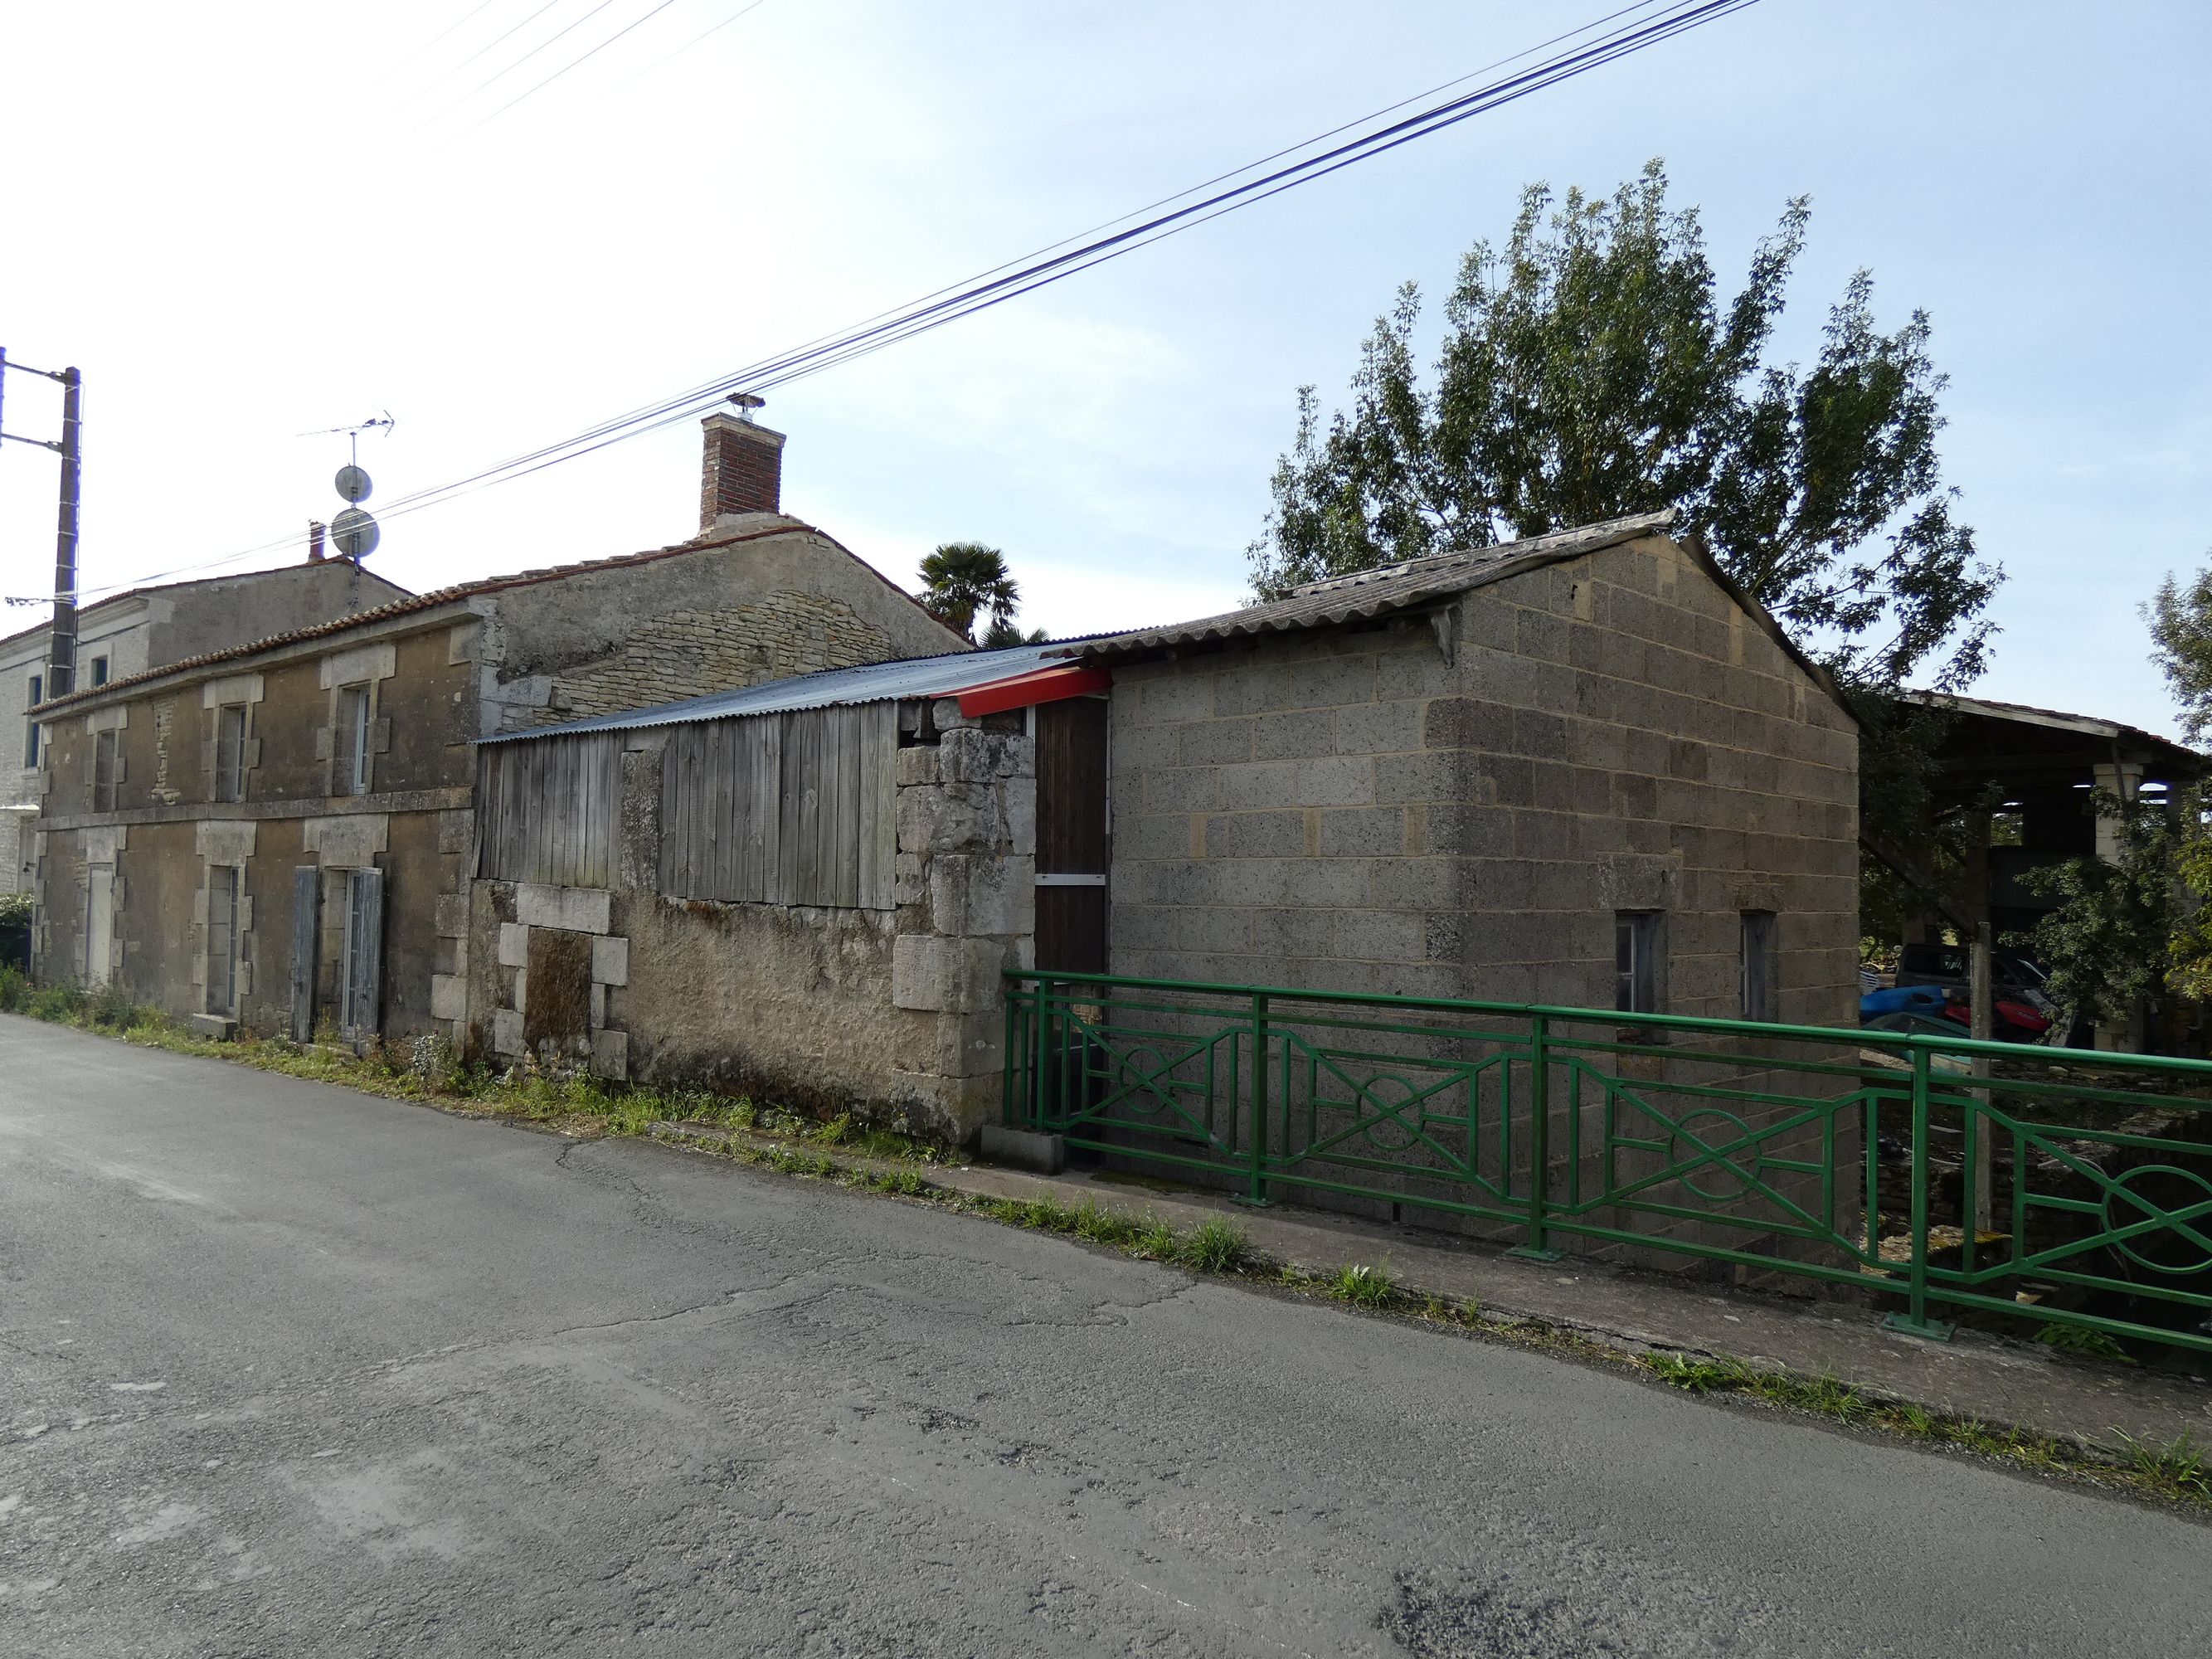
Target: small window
(103,770)
(230,752)
(38,694)
(1636,958)
(99,671)
(1759,964)
(349,770)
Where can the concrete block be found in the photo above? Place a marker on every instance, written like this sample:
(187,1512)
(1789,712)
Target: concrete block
(456,831)
(211,1028)
(449,997)
(1301,735)
(611,1054)
(611,961)
(1024,1149)
(522,988)
(1216,743)
(513,945)
(1255,834)
(1363,832)
(506,1030)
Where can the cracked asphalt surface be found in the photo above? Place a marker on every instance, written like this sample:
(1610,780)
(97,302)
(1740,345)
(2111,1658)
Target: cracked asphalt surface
(288,1370)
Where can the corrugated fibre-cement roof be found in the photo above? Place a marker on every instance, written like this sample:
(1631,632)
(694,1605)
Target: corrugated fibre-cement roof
(878,682)
(1376,592)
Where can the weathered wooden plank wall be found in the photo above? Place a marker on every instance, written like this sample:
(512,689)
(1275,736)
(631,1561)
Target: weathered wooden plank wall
(546,810)
(795,808)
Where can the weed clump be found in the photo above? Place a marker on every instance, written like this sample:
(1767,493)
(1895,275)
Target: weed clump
(1215,1246)
(1363,1286)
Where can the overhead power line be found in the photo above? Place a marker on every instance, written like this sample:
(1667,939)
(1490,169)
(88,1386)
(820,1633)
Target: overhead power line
(501,75)
(578,64)
(746,10)
(482,5)
(1659,21)
(422,92)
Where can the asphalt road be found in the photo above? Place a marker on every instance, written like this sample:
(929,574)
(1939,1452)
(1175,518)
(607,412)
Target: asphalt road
(286,1370)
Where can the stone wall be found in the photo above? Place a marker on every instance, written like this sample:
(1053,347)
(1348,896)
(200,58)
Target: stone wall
(896,1016)
(689,653)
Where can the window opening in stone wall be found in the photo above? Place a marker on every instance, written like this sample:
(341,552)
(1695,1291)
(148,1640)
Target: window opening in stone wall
(1636,952)
(99,921)
(230,753)
(103,771)
(362,965)
(222,939)
(1759,965)
(99,671)
(350,773)
(31,728)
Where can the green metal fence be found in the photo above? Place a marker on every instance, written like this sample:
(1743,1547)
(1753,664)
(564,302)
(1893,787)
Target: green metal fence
(1858,1157)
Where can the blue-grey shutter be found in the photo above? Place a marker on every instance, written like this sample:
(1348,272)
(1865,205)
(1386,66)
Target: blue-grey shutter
(306,937)
(367,952)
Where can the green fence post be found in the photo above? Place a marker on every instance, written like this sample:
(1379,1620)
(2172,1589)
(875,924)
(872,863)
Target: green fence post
(1041,990)
(1538,1247)
(1256,1149)
(1915,1322)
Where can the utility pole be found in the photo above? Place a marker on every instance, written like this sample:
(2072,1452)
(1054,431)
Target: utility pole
(62,659)
(61,655)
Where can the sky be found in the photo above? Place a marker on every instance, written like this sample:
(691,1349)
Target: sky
(249,223)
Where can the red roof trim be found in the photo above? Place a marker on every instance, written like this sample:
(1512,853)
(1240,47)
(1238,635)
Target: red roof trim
(1038,685)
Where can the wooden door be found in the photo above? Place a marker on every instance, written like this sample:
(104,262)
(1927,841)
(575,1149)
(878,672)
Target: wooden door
(1072,843)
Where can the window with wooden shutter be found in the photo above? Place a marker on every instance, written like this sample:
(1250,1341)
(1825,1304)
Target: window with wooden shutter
(361,984)
(230,753)
(222,939)
(31,728)
(306,933)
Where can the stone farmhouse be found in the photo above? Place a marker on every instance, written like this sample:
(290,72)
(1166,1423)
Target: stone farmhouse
(127,634)
(280,835)
(1582,769)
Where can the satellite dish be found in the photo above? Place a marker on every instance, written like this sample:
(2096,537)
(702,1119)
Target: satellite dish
(354,533)
(353,484)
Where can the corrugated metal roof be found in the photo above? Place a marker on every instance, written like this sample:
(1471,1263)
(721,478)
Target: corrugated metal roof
(878,682)
(1376,593)
(2093,726)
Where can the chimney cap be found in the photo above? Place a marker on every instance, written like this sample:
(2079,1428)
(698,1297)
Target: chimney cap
(747,402)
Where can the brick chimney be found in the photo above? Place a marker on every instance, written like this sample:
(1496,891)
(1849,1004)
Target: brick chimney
(743,471)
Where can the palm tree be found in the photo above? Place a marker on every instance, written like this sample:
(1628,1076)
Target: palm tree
(961,579)
(1002,633)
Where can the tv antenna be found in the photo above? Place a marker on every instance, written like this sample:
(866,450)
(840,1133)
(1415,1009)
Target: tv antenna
(353,531)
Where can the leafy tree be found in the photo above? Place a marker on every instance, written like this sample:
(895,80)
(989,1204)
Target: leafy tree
(963,580)
(2125,934)
(1003,633)
(1589,369)
(2180,621)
